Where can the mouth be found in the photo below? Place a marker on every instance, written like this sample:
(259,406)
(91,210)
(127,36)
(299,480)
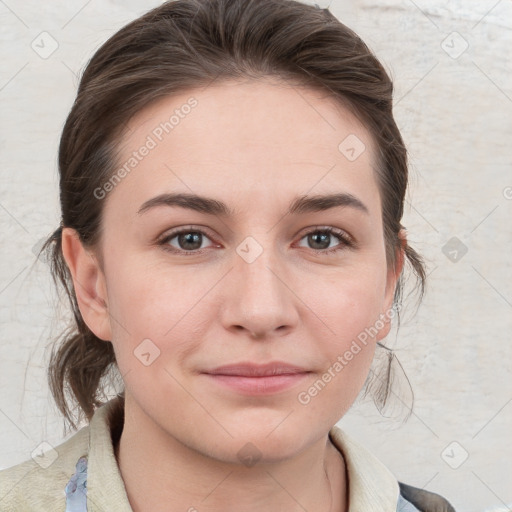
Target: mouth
(252,379)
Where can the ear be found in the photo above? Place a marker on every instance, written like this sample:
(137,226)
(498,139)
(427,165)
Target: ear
(392,279)
(89,284)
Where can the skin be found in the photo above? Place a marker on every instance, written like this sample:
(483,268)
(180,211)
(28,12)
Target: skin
(254,145)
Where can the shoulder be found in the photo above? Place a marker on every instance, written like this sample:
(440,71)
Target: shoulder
(39,483)
(424,501)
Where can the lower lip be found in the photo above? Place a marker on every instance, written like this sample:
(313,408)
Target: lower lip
(259,385)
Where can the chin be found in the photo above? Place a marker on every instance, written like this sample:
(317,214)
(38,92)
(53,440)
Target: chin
(265,445)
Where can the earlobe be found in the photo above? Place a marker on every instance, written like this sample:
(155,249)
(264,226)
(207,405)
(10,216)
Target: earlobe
(400,255)
(88,282)
(392,281)
(394,272)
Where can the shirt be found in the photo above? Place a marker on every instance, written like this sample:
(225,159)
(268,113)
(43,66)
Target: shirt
(81,475)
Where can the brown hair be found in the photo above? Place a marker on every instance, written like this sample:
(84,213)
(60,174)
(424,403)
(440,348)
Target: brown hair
(185,44)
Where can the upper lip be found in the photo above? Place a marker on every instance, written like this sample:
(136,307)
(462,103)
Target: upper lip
(244,369)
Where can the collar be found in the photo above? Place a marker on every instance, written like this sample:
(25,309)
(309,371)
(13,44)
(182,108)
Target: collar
(105,486)
(371,486)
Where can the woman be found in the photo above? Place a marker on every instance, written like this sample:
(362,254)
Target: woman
(232,185)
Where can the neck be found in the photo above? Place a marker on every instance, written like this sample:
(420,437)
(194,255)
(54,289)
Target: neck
(162,474)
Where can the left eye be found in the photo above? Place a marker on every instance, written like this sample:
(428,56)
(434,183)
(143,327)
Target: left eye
(321,239)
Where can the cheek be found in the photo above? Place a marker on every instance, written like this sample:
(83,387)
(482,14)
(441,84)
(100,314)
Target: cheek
(154,332)
(347,352)
(153,297)
(156,304)
(351,309)
(351,304)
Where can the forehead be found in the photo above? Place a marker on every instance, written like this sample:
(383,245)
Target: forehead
(245,140)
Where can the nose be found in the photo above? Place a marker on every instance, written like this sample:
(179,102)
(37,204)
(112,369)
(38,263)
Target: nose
(259,297)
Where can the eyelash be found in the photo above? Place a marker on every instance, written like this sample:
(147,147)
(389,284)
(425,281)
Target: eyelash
(345,240)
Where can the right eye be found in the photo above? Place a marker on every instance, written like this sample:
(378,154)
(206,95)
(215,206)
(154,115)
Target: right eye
(185,241)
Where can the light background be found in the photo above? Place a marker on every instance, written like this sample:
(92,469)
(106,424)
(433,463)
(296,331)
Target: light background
(451,63)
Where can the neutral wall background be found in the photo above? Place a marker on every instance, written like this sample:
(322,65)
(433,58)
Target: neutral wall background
(452,64)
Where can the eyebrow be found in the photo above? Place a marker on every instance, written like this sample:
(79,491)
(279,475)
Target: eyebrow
(302,204)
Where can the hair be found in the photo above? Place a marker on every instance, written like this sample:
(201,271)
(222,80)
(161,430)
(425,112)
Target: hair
(187,44)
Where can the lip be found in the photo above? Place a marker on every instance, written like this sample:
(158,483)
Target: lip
(257,379)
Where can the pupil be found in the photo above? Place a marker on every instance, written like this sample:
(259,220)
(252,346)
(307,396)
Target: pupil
(325,237)
(190,238)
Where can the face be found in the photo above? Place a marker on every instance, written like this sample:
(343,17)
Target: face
(243,318)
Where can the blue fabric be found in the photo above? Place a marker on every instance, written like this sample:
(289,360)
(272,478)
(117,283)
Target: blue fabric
(76,488)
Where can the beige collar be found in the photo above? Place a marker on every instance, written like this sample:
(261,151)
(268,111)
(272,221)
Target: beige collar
(371,486)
